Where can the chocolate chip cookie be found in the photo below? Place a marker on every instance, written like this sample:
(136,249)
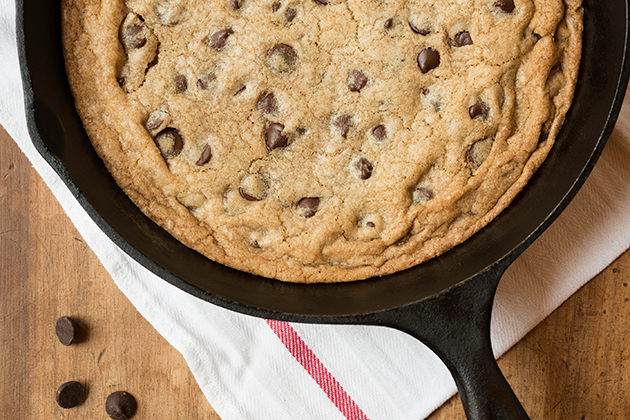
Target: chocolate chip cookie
(322,140)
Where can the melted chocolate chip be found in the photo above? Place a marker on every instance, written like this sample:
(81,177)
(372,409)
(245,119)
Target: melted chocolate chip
(275,138)
(389,23)
(365,168)
(282,58)
(67,330)
(218,39)
(478,152)
(206,154)
(181,84)
(419,30)
(276,6)
(357,80)
(70,394)
(246,196)
(428,59)
(463,38)
(121,405)
(343,124)
(267,103)
(478,109)
(379,132)
(170,143)
(506,6)
(290,14)
(308,206)
(422,194)
(204,82)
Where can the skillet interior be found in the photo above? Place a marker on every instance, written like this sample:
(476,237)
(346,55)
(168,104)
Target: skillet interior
(59,136)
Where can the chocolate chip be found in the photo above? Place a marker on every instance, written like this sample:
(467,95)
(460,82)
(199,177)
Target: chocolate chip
(323,2)
(255,244)
(417,29)
(206,154)
(343,124)
(506,6)
(121,405)
(240,90)
(428,59)
(478,109)
(308,206)
(370,224)
(70,394)
(181,84)
(379,132)
(67,330)
(132,37)
(389,23)
(204,82)
(275,138)
(425,91)
(121,81)
(282,58)
(463,38)
(155,122)
(365,168)
(357,80)
(290,14)
(478,152)
(421,195)
(267,103)
(247,196)
(218,39)
(170,143)
(235,4)
(276,6)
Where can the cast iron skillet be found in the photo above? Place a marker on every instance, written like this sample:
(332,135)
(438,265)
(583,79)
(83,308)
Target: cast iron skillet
(445,303)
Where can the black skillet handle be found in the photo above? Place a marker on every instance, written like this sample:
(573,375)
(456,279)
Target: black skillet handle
(459,333)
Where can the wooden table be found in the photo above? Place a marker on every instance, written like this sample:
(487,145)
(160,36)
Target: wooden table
(572,366)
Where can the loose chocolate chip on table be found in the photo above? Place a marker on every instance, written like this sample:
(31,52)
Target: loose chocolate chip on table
(276,6)
(282,58)
(389,23)
(218,39)
(267,103)
(463,38)
(357,80)
(419,30)
(170,142)
(275,138)
(478,109)
(379,132)
(67,330)
(206,154)
(428,59)
(290,14)
(343,123)
(308,206)
(365,168)
(181,84)
(506,6)
(121,405)
(70,394)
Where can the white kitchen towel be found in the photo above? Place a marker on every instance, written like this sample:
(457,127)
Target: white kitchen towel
(252,369)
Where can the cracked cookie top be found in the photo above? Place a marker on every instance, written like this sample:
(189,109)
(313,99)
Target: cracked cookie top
(322,140)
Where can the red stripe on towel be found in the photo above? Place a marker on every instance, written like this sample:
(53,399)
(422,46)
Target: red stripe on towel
(305,356)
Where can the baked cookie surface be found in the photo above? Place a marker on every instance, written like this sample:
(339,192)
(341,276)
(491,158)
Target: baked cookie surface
(322,140)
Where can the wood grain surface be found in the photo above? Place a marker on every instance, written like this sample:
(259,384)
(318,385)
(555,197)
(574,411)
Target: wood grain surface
(574,365)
